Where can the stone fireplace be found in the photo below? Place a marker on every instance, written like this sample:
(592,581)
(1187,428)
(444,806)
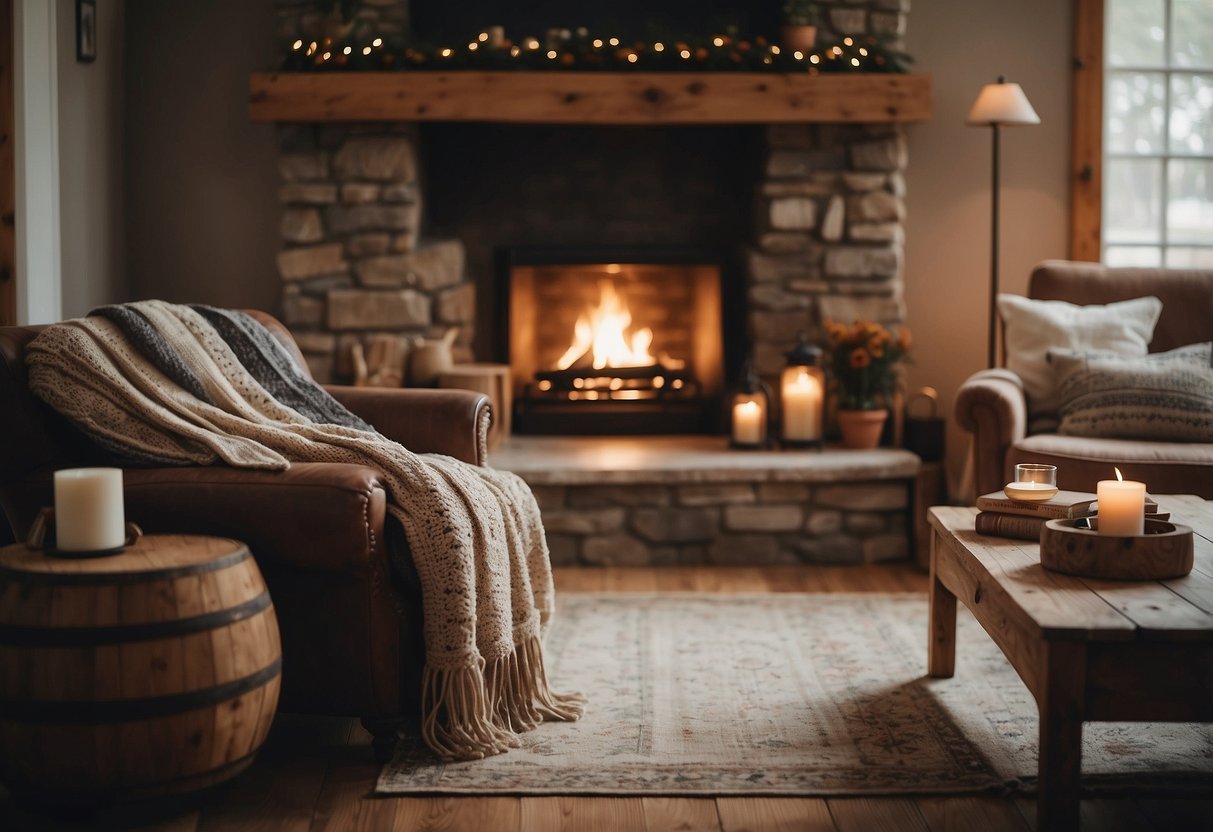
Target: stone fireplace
(396,228)
(429,201)
(824,241)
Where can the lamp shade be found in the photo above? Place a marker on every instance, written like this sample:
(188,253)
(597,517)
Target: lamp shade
(1002,103)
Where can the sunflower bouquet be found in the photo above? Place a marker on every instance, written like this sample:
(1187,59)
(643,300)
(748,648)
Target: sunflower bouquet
(864,358)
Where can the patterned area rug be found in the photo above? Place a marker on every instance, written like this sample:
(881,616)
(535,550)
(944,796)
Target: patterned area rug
(790,695)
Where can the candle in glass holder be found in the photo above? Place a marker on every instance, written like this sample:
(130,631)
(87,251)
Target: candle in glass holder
(89,515)
(1122,506)
(1034,482)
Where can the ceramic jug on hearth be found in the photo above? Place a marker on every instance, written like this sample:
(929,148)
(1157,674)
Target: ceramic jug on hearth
(431,358)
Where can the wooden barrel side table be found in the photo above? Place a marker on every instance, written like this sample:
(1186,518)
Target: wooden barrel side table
(154,671)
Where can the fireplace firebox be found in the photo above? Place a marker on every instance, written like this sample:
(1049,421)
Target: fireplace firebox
(615,342)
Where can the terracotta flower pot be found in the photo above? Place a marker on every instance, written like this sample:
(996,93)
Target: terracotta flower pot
(861,428)
(802,38)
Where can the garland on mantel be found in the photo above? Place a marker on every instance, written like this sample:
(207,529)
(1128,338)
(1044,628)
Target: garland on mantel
(566,50)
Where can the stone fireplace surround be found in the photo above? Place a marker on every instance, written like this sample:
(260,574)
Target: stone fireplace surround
(825,241)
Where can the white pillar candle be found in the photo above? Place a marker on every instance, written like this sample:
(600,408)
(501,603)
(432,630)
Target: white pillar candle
(747,423)
(88,509)
(1122,507)
(802,408)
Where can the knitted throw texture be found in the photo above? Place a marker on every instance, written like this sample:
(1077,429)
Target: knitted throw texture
(178,385)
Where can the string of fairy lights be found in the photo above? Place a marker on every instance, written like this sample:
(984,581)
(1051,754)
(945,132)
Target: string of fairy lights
(578,50)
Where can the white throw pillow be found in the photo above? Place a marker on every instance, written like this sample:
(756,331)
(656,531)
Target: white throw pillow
(1033,327)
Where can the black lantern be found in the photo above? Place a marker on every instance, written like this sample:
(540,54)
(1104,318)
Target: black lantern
(802,397)
(750,411)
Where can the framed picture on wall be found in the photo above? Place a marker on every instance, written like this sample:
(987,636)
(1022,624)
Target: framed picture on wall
(86,30)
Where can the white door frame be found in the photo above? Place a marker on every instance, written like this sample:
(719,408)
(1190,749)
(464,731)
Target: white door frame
(36,161)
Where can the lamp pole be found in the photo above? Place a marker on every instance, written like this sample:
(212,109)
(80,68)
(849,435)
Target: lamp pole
(993,249)
(999,104)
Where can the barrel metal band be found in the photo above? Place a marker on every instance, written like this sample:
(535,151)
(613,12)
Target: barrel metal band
(22,636)
(21,576)
(127,710)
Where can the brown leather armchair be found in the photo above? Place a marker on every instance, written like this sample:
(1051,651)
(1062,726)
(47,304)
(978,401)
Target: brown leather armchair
(991,404)
(351,628)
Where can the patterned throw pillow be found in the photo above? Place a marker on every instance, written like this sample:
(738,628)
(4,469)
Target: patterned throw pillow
(1167,395)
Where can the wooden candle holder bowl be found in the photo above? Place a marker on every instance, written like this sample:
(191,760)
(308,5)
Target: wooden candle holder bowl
(1164,551)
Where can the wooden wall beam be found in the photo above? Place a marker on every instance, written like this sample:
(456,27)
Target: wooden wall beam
(1086,158)
(589,97)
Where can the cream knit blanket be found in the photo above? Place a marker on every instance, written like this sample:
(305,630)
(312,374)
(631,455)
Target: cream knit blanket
(474,533)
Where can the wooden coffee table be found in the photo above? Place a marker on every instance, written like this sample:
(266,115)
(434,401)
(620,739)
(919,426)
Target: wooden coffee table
(1087,649)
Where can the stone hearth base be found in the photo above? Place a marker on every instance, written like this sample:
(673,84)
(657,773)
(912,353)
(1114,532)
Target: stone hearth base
(692,500)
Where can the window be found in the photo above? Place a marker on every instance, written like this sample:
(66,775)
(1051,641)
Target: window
(1158,133)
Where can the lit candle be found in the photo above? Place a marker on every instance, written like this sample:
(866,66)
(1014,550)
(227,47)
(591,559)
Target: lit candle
(88,509)
(747,423)
(1034,482)
(802,407)
(1122,506)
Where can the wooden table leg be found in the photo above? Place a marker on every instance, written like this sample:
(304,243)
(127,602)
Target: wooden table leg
(1061,713)
(941,640)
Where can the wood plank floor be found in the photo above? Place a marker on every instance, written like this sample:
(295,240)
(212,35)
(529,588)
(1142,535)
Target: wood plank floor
(317,773)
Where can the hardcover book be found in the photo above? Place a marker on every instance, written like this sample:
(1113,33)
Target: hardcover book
(1021,527)
(1009,525)
(1064,505)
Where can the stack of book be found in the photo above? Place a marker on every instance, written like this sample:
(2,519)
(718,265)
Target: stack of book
(1000,516)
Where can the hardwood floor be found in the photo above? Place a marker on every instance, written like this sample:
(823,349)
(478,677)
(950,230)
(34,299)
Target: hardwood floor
(317,773)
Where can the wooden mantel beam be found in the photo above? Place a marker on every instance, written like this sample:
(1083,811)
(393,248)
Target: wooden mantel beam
(589,97)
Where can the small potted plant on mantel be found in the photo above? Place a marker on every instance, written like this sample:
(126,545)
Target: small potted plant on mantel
(863,359)
(799,25)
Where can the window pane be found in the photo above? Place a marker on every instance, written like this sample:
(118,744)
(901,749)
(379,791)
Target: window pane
(1132,256)
(1192,33)
(1135,33)
(1190,201)
(1135,112)
(1192,114)
(1190,258)
(1132,201)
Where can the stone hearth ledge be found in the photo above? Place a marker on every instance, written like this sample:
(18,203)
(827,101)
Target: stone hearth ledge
(670,460)
(654,500)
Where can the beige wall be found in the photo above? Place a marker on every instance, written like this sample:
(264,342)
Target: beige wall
(90,161)
(202,206)
(964,44)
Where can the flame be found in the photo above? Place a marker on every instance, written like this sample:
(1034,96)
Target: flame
(602,332)
(1118,476)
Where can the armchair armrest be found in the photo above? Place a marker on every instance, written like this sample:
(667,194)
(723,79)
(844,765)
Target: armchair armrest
(451,422)
(991,406)
(322,516)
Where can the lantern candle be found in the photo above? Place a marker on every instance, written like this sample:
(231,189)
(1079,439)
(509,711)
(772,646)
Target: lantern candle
(801,394)
(88,509)
(1122,506)
(802,407)
(747,423)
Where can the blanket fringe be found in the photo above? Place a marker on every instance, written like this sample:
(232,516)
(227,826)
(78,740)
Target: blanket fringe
(455,718)
(474,712)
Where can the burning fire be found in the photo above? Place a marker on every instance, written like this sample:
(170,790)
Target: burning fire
(601,332)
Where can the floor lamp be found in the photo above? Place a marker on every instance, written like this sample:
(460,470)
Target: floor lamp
(997,105)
